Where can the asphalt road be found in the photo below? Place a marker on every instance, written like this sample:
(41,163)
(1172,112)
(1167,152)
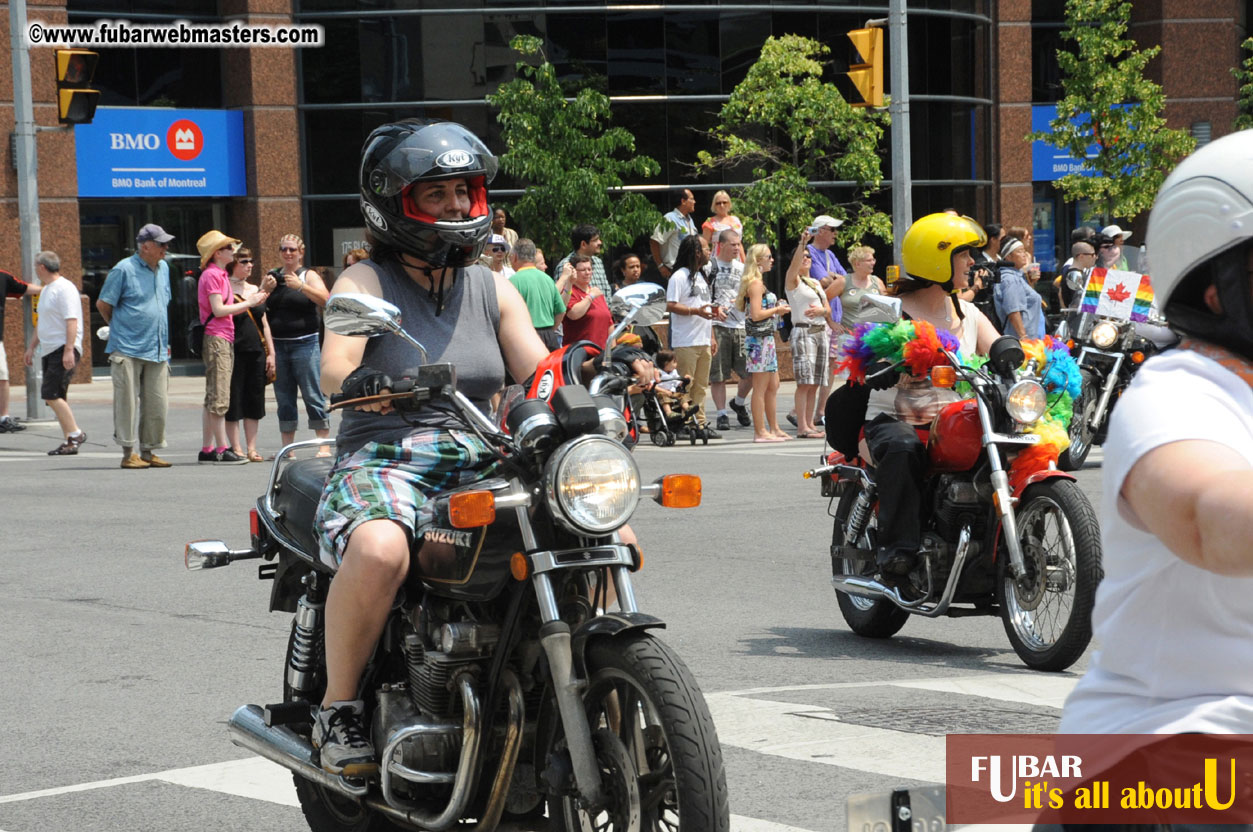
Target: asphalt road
(120,668)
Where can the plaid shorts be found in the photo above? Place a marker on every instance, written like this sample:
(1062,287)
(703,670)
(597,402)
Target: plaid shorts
(809,355)
(392,482)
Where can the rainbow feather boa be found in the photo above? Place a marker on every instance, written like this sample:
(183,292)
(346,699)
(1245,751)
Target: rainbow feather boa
(920,345)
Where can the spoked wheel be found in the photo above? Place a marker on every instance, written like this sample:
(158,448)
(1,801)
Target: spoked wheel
(865,616)
(660,762)
(1048,612)
(1081,434)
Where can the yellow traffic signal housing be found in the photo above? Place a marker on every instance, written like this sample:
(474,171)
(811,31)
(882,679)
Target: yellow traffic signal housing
(867,76)
(76,101)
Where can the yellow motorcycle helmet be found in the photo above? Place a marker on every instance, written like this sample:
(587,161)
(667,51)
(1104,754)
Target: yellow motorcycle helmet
(928,246)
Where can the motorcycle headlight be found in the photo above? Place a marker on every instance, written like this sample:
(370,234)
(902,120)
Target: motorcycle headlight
(1104,335)
(1026,401)
(592,484)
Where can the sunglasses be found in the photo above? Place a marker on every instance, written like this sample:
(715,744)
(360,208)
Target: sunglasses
(288,249)
(247,261)
(499,249)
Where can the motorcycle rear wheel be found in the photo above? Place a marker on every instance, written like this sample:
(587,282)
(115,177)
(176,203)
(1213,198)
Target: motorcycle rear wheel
(865,616)
(651,726)
(1048,615)
(1082,436)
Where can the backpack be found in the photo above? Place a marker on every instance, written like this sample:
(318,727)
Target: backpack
(195,338)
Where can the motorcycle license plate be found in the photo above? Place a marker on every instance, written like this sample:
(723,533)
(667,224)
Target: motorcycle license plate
(917,810)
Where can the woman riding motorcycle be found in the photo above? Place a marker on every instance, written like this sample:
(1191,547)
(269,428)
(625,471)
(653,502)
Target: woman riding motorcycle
(424,198)
(936,254)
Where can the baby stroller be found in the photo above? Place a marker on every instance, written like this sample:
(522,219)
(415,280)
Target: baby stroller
(665,431)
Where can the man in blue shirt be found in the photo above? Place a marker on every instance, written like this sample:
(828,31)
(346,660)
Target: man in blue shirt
(133,303)
(674,226)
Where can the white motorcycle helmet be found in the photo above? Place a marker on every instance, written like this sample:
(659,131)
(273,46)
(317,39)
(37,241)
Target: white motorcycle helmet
(1200,231)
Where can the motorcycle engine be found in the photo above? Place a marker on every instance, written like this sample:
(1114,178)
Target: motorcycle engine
(957,503)
(431,752)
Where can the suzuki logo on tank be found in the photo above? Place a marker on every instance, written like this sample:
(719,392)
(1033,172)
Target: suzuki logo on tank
(143,152)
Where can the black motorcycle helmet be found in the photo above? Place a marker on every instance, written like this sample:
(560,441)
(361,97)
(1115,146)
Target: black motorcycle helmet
(399,155)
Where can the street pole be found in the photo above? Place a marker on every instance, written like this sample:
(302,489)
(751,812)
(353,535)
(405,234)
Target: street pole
(27,163)
(898,108)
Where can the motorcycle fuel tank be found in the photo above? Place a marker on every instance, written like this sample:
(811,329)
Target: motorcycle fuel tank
(956,437)
(467,564)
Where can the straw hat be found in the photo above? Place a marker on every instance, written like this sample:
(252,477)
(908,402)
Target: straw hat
(211,243)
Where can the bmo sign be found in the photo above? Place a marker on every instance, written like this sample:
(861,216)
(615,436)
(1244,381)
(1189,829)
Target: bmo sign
(145,152)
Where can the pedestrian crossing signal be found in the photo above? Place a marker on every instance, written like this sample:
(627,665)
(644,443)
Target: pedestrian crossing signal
(76,101)
(867,75)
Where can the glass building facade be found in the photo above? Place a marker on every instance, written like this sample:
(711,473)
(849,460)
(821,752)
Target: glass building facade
(666,68)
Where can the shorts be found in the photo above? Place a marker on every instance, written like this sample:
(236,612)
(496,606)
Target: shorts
(56,383)
(4,363)
(219,363)
(760,354)
(393,481)
(809,355)
(730,354)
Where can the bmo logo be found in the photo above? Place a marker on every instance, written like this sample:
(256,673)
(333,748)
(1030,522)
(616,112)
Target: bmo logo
(184,139)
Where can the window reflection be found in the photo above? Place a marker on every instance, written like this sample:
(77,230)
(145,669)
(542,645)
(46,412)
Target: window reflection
(692,65)
(636,53)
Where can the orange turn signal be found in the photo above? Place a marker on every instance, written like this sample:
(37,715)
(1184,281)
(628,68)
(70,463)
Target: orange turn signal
(944,376)
(1137,357)
(520,566)
(471,509)
(680,491)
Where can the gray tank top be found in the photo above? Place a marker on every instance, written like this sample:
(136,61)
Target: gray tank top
(465,335)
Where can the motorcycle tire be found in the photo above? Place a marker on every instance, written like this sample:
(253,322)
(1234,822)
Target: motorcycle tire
(670,729)
(1048,616)
(866,617)
(324,809)
(1082,436)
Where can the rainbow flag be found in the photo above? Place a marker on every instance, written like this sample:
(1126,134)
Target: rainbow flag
(1117,294)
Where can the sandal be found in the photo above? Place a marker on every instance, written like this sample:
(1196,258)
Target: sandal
(813,434)
(253,456)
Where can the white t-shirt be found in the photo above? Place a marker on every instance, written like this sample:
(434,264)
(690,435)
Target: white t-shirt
(726,285)
(58,303)
(670,380)
(1175,641)
(688,330)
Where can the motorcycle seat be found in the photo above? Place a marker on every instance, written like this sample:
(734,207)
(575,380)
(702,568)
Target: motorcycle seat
(296,499)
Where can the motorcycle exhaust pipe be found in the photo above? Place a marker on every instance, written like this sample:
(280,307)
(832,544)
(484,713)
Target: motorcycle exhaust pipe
(280,745)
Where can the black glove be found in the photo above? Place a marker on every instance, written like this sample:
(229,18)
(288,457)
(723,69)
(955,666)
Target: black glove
(365,381)
(881,376)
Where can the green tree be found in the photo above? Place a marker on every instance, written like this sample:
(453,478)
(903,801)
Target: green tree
(1244,74)
(572,164)
(787,127)
(1109,105)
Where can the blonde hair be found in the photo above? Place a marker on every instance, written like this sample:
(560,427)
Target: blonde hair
(860,252)
(751,272)
(715,199)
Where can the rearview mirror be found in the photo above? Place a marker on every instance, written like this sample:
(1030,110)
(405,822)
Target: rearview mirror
(879,309)
(357,314)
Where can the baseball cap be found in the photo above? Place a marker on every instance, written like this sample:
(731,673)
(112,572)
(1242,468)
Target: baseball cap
(823,221)
(1113,231)
(499,240)
(153,232)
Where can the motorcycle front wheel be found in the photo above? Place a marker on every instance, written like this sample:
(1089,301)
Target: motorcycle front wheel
(1048,613)
(1082,436)
(865,616)
(658,753)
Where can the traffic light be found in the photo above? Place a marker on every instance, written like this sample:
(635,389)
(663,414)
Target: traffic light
(76,101)
(867,76)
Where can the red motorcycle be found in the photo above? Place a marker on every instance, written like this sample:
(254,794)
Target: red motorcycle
(1004,532)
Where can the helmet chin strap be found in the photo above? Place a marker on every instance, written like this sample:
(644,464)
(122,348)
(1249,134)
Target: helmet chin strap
(436,289)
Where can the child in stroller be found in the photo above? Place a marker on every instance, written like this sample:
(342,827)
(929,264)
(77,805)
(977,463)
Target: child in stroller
(668,411)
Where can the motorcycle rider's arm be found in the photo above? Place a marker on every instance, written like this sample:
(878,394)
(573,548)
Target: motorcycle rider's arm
(341,354)
(1196,496)
(985,333)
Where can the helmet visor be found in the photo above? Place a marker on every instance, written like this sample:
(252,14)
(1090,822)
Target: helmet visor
(971,234)
(438,151)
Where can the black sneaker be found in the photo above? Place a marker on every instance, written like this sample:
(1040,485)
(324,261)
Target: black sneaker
(791,417)
(229,457)
(207,458)
(710,433)
(741,414)
(724,422)
(10,425)
(341,740)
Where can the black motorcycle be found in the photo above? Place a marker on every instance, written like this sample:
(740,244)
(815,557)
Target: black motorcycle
(501,685)
(1109,352)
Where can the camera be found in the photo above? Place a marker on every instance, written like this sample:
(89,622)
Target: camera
(987,272)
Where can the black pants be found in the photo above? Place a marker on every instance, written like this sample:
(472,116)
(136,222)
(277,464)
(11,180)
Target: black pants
(900,459)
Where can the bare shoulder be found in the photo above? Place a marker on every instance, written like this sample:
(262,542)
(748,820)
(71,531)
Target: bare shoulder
(358,278)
